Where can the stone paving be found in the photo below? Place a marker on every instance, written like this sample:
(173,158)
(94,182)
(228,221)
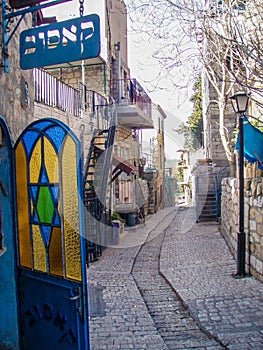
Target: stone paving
(171,318)
(196,262)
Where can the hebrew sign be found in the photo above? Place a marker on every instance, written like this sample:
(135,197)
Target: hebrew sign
(60,42)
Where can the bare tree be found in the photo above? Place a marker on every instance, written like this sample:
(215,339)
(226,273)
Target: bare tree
(247,33)
(169,26)
(221,67)
(221,37)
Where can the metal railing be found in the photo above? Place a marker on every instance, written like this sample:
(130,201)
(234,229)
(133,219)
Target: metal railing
(97,106)
(54,93)
(92,99)
(131,93)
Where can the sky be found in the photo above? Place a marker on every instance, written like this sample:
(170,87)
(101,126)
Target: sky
(175,103)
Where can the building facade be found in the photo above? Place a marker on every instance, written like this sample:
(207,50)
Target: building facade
(153,160)
(103,106)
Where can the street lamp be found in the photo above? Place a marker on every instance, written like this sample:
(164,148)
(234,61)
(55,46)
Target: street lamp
(240,104)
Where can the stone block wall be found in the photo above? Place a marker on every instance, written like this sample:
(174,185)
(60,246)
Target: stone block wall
(17,112)
(145,193)
(253,220)
(126,145)
(212,140)
(81,127)
(154,186)
(96,77)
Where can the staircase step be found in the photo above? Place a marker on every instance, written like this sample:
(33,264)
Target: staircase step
(100,144)
(103,131)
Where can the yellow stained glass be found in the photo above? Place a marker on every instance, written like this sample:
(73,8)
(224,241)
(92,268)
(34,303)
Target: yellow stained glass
(31,207)
(55,252)
(35,162)
(70,211)
(39,251)
(22,207)
(51,162)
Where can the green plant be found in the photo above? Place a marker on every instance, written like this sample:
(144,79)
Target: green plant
(90,186)
(116,216)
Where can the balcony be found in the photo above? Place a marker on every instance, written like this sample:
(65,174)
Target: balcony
(134,106)
(52,92)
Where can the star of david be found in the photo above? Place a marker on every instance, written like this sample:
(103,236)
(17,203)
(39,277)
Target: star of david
(44,199)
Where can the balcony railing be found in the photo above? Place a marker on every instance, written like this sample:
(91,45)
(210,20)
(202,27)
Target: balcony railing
(93,100)
(129,91)
(54,93)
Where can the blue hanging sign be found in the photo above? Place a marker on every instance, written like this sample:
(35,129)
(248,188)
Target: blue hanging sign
(60,42)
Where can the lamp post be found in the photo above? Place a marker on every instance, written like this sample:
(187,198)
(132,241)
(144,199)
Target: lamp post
(240,104)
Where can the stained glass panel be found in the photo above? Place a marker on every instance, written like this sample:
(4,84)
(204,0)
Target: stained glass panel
(41,125)
(56,134)
(45,207)
(35,162)
(29,138)
(47,200)
(22,207)
(55,252)
(39,250)
(70,209)
(51,162)
(45,233)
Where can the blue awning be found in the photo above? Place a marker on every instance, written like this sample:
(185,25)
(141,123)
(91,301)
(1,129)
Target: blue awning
(253,144)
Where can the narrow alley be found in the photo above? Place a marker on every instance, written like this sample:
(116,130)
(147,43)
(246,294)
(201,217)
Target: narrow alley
(169,285)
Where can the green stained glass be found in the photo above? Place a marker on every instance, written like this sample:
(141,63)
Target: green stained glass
(45,207)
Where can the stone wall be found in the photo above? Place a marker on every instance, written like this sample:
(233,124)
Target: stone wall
(212,140)
(96,77)
(145,193)
(155,197)
(17,111)
(82,127)
(253,215)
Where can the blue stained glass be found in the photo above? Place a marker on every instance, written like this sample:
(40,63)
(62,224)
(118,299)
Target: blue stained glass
(41,125)
(45,233)
(54,192)
(29,139)
(43,178)
(35,217)
(34,193)
(56,218)
(56,136)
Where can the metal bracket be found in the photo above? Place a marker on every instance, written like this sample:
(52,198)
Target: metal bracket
(6,21)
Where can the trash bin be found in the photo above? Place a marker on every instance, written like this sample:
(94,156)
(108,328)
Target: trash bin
(116,233)
(131,220)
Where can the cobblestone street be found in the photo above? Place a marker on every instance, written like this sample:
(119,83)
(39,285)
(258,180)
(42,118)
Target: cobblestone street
(168,285)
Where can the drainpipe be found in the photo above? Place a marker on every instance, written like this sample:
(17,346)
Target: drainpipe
(83,86)
(105,79)
(118,46)
(82,142)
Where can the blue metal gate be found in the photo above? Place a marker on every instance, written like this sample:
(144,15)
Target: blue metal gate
(51,250)
(9,337)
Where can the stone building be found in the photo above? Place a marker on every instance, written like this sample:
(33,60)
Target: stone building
(107,79)
(213,146)
(100,104)
(154,160)
(229,189)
